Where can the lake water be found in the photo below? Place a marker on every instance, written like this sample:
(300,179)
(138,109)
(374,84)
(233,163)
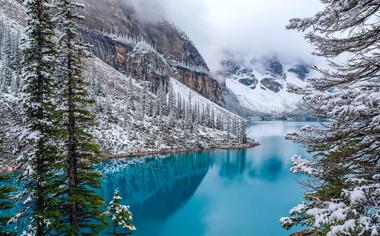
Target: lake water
(212,193)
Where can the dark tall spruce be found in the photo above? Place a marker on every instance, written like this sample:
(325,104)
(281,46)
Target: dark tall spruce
(81,205)
(42,151)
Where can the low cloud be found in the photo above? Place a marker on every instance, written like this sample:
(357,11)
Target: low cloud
(243,26)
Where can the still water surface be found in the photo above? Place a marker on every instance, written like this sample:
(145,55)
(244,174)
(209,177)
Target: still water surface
(212,193)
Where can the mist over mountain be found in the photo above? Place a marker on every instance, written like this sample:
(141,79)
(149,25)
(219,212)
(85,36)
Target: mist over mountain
(258,86)
(259,27)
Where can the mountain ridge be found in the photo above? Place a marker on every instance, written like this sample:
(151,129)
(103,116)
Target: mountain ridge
(111,26)
(259,87)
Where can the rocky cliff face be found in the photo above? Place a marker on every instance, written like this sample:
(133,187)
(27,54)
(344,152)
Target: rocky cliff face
(152,50)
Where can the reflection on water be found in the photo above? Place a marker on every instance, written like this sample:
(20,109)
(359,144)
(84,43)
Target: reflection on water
(234,164)
(213,193)
(148,184)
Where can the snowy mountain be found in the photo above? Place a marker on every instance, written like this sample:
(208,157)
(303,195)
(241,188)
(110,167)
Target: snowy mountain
(260,86)
(125,36)
(130,117)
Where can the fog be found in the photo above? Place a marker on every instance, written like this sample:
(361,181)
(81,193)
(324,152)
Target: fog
(244,26)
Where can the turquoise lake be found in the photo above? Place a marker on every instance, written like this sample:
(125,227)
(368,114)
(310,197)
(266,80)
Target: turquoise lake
(212,193)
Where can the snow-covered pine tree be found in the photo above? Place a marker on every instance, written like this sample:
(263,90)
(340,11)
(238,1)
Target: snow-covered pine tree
(160,99)
(189,112)
(344,194)
(235,128)
(130,103)
(171,101)
(10,59)
(6,201)
(203,116)
(183,109)
(179,106)
(196,115)
(2,30)
(40,157)
(150,107)
(96,85)
(242,131)
(212,119)
(120,216)
(143,105)
(228,126)
(81,205)
(207,116)
(165,108)
(17,67)
(155,107)
(219,122)
(6,54)
(6,76)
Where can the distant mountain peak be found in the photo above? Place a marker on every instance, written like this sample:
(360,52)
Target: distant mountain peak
(259,84)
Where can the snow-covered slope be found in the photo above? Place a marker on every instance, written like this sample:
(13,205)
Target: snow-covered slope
(198,99)
(261,86)
(120,129)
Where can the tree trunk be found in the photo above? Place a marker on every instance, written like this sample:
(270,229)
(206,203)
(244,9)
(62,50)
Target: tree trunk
(72,159)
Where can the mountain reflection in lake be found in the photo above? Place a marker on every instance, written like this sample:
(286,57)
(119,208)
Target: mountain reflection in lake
(213,193)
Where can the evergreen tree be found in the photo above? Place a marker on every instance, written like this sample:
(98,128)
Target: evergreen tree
(2,30)
(39,161)
(6,200)
(143,105)
(219,122)
(130,94)
(235,128)
(179,106)
(197,115)
(183,112)
(207,116)
(151,106)
(171,101)
(7,76)
(228,127)
(81,205)
(161,99)
(344,196)
(120,215)
(16,85)
(242,132)
(212,119)
(10,57)
(189,112)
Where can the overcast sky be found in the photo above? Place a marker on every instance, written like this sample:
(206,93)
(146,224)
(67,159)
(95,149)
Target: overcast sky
(256,26)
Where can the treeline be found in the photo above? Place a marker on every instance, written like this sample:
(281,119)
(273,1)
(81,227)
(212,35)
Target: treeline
(187,113)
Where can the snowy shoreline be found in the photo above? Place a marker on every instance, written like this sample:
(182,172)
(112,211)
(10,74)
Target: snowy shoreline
(10,166)
(249,144)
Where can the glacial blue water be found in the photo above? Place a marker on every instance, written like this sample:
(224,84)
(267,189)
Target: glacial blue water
(212,193)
